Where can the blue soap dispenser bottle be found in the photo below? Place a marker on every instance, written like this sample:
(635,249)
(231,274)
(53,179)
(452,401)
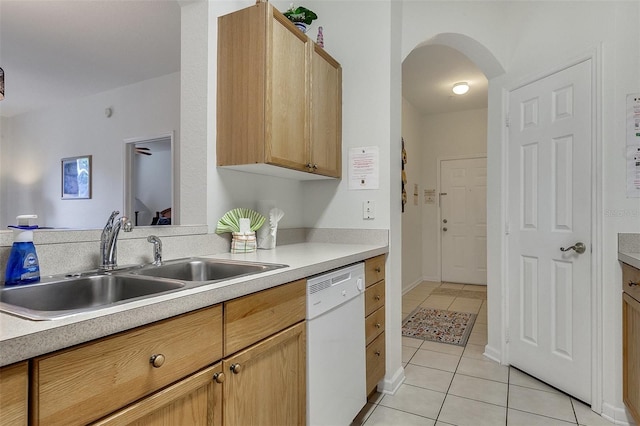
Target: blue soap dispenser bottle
(23,267)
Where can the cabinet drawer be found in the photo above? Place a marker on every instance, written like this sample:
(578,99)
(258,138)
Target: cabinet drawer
(374,270)
(631,274)
(14,388)
(82,384)
(374,325)
(374,298)
(375,362)
(251,318)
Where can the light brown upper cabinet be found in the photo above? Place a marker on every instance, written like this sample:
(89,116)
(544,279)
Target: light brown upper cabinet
(279,98)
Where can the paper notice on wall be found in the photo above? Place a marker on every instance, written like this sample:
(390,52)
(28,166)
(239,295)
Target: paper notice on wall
(364,168)
(633,145)
(633,171)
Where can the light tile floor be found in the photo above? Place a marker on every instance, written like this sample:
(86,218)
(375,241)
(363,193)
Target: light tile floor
(454,385)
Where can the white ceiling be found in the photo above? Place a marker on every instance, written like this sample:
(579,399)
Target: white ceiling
(56,50)
(429,73)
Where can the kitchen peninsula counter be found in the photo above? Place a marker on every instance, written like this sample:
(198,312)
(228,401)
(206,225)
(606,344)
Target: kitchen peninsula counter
(21,339)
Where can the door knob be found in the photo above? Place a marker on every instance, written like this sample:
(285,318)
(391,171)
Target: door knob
(444,229)
(577,247)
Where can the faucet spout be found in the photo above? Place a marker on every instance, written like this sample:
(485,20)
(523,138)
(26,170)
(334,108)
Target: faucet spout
(109,240)
(157,249)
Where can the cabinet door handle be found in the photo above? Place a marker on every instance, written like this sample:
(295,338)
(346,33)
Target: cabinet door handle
(378,269)
(235,368)
(378,325)
(218,377)
(377,353)
(157,360)
(632,284)
(377,297)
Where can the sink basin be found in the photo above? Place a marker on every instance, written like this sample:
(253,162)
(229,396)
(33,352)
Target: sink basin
(200,269)
(67,296)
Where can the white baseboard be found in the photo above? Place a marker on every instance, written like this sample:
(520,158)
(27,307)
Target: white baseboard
(391,385)
(433,279)
(411,286)
(617,415)
(492,354)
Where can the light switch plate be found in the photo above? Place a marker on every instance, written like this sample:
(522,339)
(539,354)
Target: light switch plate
(368,210)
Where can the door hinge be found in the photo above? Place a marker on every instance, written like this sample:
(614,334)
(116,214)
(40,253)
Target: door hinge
(507,121)
(506,228)
(507,336)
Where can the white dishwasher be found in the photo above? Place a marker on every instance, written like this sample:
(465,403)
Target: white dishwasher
(336,378)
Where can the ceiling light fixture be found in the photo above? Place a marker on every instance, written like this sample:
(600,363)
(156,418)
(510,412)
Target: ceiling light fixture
(460,88)
(1,84)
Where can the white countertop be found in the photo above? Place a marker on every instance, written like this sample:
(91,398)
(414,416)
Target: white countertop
(630,258)
(22,339)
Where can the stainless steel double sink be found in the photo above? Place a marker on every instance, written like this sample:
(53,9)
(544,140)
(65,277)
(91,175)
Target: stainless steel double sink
(63,296)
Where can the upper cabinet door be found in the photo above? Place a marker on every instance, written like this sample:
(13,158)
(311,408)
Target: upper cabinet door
(287,96)
(326,114)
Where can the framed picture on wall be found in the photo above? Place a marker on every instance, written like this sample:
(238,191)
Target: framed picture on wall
(76,178)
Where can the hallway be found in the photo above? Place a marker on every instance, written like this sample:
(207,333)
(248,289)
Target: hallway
(453,385)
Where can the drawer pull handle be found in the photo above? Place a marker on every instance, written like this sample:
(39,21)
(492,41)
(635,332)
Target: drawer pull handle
(157,360)
(378,269)
(377,353)
(218,377)
(378,325)
(377,297)
(632,284)
(235,368)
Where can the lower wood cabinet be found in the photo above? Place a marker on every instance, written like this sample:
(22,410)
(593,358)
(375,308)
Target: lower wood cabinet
(374,310)
(83,384)
(194,401)
(631,340)
(14,394)
(174,372)
(266,383)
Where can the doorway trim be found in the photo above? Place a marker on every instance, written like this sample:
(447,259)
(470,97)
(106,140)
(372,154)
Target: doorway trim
(440,159)
(595,56)
(129,155)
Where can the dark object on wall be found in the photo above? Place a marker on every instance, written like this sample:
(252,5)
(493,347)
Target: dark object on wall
(404,176)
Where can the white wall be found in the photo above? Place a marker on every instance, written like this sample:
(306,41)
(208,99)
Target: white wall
(370,60)
(529,38)
(451,135)
(412,222)
(33,144)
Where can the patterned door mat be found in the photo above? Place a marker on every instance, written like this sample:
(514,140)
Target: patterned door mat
(438,325)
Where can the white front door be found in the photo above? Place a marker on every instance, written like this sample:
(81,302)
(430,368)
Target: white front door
(463,227)
(549,190)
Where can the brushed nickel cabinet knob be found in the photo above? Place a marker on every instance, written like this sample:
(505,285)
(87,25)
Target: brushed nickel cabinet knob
(218,377)
(235,368)
(157,360)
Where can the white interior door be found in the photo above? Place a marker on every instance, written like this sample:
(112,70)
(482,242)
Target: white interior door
(550,207)
(463,227)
